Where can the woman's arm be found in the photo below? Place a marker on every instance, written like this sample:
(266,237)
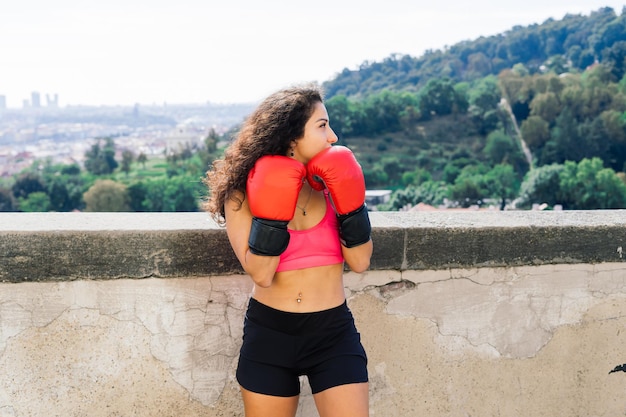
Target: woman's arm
(358,257)
(337,169)
(238,222)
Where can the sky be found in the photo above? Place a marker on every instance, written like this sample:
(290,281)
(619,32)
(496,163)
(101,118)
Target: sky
(123,52)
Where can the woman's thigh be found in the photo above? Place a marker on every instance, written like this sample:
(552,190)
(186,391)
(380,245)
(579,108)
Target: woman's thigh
(261,405)
(344,400)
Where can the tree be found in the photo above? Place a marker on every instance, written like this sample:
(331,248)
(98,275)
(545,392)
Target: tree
(375,176)
(484,99)
(340,112)
(100,160)
(572,99)
(106,196)
(383,111)
(500,147)
(541,185)
(468,191)
(432,192)
(450,172)
(409,117)
(546,106)
(209,152)
(64,184)
(71,169)
(393,169)
(612,33)
(416,177)
(211,141)
(469,188)
(154,200)
(142,159)
(95,162)
(136,196)
(557,64)
(401,199)
(535,131)
(440,98)
(428,192)
(614,124)
(615,58)
(611,190)
(565,143)
(127,160)
(502,183)
(26,184)
(60,199)
(589,186)
(34,202)
(511,85)
(7,202)
(478,64)
(524,45)
(175,194)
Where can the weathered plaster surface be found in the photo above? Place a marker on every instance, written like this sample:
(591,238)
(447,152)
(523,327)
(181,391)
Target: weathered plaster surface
(413,374)
(535,340)
(127,347)
(500,312)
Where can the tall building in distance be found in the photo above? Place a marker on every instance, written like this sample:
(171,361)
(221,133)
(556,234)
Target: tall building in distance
(52,101)
(35,99)
(3,102)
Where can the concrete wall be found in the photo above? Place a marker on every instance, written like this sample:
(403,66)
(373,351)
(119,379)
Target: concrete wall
(462,314)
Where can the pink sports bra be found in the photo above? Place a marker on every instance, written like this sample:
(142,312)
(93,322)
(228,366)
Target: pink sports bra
(316,246)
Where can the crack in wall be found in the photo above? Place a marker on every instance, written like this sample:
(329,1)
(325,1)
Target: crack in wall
(193,322)
(513,311)
(404,251)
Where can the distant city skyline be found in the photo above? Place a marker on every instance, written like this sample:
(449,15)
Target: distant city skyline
(123,52)
(35,101)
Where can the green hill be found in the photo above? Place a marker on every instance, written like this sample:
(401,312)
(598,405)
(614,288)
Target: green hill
(570,44)
(481,118)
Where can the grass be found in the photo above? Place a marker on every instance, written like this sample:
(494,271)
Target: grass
(153,168)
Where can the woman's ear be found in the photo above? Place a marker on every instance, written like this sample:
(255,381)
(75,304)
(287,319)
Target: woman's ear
(292,148)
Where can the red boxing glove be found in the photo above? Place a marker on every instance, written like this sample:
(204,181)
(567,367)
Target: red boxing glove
(337,169)
(272,190)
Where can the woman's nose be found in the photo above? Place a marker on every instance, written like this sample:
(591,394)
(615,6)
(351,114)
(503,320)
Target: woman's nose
(332,138)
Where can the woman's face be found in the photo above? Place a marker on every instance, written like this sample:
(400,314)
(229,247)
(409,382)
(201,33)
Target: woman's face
(317,135)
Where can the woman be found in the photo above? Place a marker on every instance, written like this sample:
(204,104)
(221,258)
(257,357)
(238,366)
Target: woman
(294,211)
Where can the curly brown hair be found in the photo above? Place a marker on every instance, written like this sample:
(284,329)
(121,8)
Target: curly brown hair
(271,128)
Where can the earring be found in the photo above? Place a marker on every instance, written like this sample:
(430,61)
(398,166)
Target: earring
(291,153)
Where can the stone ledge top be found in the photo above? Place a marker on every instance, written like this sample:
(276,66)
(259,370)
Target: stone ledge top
(47,222)
(447,219)
(452,219)
(69,246)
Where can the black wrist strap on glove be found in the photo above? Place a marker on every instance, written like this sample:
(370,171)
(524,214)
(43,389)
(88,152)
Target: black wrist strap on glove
(268,237)
(355,228)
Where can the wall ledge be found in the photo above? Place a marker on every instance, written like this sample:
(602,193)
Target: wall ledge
(71,246)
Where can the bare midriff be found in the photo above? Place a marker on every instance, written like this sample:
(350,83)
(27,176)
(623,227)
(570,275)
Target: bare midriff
(304,290)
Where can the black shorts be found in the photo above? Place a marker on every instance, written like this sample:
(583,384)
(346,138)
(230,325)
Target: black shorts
(280,346)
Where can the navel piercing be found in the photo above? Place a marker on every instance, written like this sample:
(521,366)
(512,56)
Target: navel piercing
(299,299)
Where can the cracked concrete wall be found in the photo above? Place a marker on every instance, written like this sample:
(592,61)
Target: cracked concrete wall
(525,341)
(120,348)
(502,341)
(462,314)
